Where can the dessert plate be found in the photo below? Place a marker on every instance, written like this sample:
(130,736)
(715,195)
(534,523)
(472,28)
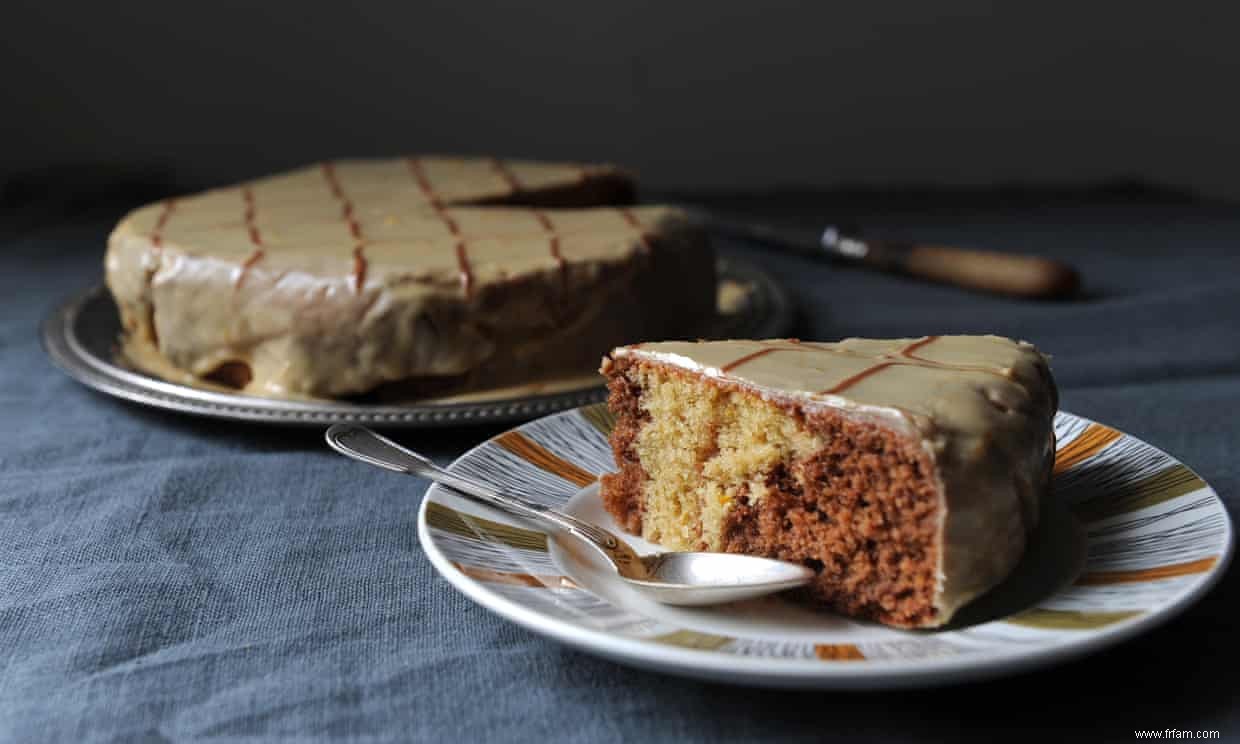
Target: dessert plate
(80,336)
(1129,538)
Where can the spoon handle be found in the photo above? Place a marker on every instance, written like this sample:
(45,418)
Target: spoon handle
(362,444)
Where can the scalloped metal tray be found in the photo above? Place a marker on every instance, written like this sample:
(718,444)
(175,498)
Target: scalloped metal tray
(80,336)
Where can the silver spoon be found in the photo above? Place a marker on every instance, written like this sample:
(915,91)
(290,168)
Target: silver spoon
(670,578)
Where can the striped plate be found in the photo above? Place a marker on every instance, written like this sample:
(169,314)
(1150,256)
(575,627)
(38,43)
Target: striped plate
(1130,538)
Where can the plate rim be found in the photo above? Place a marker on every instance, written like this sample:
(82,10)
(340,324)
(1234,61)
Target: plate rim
(871,674)
(68,353)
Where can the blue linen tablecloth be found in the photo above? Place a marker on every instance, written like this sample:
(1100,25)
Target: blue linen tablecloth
(165,578)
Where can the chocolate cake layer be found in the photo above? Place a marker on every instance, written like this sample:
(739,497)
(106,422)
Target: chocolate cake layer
(425,275)
(907,473)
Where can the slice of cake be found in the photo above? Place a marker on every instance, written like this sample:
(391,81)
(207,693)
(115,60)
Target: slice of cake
(907,472)
(424,275)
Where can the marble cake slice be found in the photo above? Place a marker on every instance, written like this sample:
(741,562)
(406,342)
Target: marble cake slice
(906,472)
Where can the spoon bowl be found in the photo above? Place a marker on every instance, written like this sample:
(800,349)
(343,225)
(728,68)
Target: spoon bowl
(713,578)
(687,578)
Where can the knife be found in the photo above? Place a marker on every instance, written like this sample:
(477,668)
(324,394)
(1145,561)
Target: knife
(1016,275)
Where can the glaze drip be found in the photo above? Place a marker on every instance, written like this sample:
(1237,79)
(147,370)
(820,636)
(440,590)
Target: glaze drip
(906,352)
(157,232)
(355,227)
(506,175)
(246,265)
(553,246)
(747,358)
(631,218)
(454,229)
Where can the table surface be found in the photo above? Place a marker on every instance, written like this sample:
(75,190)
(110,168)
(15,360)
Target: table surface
(169,578)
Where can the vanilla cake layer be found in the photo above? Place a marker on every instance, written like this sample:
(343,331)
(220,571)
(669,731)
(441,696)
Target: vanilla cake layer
(907,473)
(419,276)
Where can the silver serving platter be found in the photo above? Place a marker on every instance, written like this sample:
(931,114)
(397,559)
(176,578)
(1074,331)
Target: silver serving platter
(80,335)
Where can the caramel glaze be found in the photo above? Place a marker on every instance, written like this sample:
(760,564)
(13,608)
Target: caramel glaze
(631,218)
(509,179)
(157,233)
(253,258)
(157,248)
(359,268)
(355,227)
(467,274)
(908,350)
(553,245)
(904,354)
(748,357)
(553,237)
(256,237)
(848,382)
(462,253)
(247,196)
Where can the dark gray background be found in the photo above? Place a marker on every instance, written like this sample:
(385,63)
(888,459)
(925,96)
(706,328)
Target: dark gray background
(708,94)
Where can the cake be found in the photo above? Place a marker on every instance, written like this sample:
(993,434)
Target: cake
(907,473)
(420,276)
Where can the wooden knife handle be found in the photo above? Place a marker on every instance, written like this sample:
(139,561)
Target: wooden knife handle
(987,271)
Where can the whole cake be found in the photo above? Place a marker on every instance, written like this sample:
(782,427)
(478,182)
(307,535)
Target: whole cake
(906,472)
(419,275)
